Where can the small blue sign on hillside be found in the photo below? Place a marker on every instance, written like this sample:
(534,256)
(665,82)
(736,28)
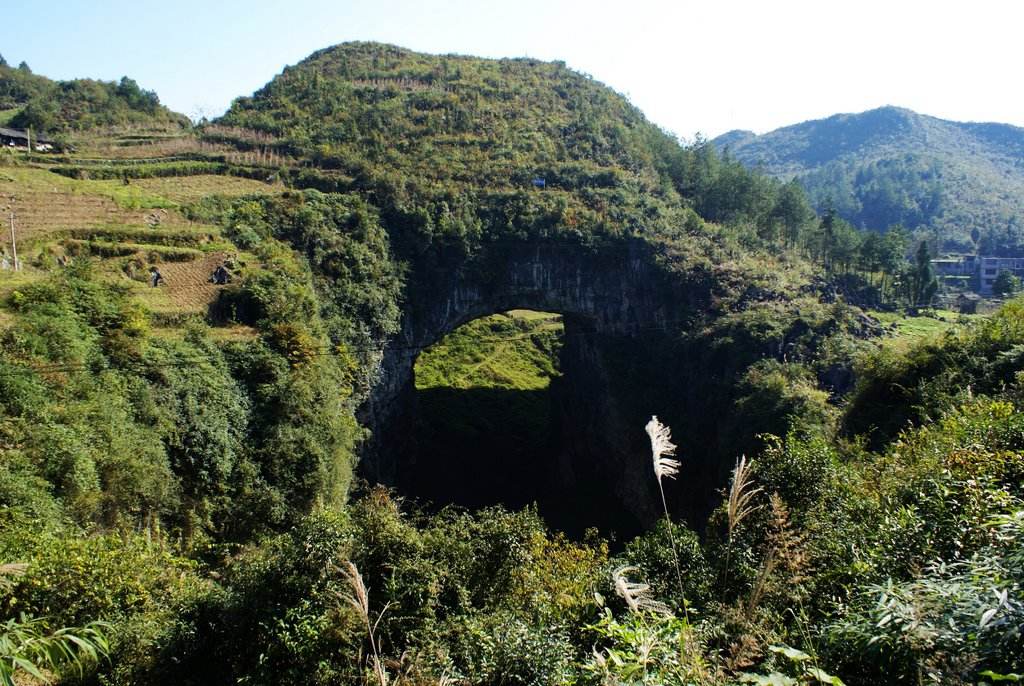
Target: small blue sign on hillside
(539,182)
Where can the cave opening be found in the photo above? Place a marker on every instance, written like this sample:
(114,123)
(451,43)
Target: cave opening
(486,422)
(574,442)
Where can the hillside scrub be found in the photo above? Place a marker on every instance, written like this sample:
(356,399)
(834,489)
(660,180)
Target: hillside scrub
(62,106)
(896,388)
(117,427)
(449,148)
(493,595)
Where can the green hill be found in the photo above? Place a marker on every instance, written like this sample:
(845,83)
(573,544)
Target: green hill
(894,166)
(31,100)
(455,149)
(461,119)
(350,185)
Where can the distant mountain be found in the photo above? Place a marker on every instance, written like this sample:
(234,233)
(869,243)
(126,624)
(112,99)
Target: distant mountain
(893,166)
(31,100)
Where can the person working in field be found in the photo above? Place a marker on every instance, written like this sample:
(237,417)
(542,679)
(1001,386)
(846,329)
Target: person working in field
(221,275)
(155,277)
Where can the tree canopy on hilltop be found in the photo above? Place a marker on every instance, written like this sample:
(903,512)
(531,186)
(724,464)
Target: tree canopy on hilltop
(57,106)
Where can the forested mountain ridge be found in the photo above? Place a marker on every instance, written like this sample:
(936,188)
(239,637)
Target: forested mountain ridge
(893,166)
(32,100)
(467,150)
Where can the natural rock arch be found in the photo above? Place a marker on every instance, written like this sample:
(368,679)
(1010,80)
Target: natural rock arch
(618,288)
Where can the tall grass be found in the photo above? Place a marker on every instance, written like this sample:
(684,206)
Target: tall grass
(662,448)
(784,553)
(740,504)
(359,598)
(29,647)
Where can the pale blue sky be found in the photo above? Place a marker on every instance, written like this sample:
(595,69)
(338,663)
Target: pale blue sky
(705,66)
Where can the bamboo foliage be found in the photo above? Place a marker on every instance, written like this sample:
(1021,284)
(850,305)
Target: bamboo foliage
(28,647)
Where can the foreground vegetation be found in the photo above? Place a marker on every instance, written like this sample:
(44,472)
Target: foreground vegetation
(898,565)
(895,564)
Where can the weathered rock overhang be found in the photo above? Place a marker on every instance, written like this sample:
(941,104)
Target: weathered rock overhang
(618,288)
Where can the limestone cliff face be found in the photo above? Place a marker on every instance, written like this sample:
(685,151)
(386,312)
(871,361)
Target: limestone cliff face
(617,290)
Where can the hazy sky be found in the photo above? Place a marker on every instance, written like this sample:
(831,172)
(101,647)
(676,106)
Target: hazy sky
(705,66)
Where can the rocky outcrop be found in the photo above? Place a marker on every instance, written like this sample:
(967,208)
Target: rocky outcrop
(618,289)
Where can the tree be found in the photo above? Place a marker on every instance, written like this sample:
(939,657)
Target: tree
(844,247)
(923,284)
(893,253)
(792,211)
(1006,283)
(24,67)
(137,98)
(869,257)
(821,240)
(40,114)
(3,62)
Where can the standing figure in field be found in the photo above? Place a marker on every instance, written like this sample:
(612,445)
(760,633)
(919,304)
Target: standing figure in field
(221,275)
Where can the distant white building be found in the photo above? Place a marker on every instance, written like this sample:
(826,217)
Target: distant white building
(965,265)
(984,269)
(991,266)
(19,138)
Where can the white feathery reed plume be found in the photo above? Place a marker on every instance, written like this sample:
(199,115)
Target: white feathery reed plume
(360,600)
(636,595)
(739,506)
(740,494)
(664,466)
(9,569)
(661,447)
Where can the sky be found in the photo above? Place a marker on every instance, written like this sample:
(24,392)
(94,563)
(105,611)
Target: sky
(693,67)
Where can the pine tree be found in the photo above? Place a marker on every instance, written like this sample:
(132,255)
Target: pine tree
(924,283)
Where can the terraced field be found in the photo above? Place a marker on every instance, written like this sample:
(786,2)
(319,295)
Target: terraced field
(186,286)
(126,224)
(187,189)
(906,330)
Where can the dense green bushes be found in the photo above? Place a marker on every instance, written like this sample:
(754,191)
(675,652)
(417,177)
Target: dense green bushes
(896,388)
(490,597)
(59,106)
(121,427)
(839,539)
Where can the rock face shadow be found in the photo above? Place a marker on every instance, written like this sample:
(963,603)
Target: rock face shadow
(594,456)
(481,446)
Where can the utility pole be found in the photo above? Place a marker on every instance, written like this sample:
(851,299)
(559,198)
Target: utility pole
(14,243)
